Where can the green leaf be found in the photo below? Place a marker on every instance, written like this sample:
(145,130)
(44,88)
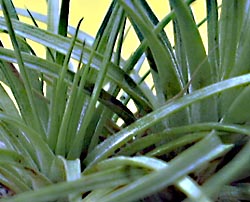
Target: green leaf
(197,62)
(146,163)
(192,44)
(52,70)
(6,103)
(237,168)
(63,25)
(107,148)
(103,179)
(11,178)
(61,44)
(24,46)
(37,147)
(177,133)
(237,44)
(27,84)
(79,142)
(170,85)
(176,144)
(229,34)
(213,37)
(238,111)
(43,18)
(73,172)
(13,80)
(53,17)
(10,140)
(58,103)
(11,157)
(22,178)
(183,164)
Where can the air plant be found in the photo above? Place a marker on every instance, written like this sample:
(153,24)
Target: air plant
(68,132)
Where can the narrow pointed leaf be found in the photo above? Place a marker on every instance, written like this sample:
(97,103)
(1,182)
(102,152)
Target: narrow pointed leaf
(198,67)
(107,147)
(27,84)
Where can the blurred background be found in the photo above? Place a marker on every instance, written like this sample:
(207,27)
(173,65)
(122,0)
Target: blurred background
(94,11)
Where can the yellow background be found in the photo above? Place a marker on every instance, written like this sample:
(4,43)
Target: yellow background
(93,12)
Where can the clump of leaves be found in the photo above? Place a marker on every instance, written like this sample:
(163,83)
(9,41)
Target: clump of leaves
(61,137)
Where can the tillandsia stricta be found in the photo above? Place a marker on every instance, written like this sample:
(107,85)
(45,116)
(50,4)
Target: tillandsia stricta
(82,123)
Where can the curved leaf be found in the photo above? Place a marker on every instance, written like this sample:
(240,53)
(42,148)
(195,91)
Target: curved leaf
(37,147)
(199,68)
(171,84)
(108,147)
(183,164)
